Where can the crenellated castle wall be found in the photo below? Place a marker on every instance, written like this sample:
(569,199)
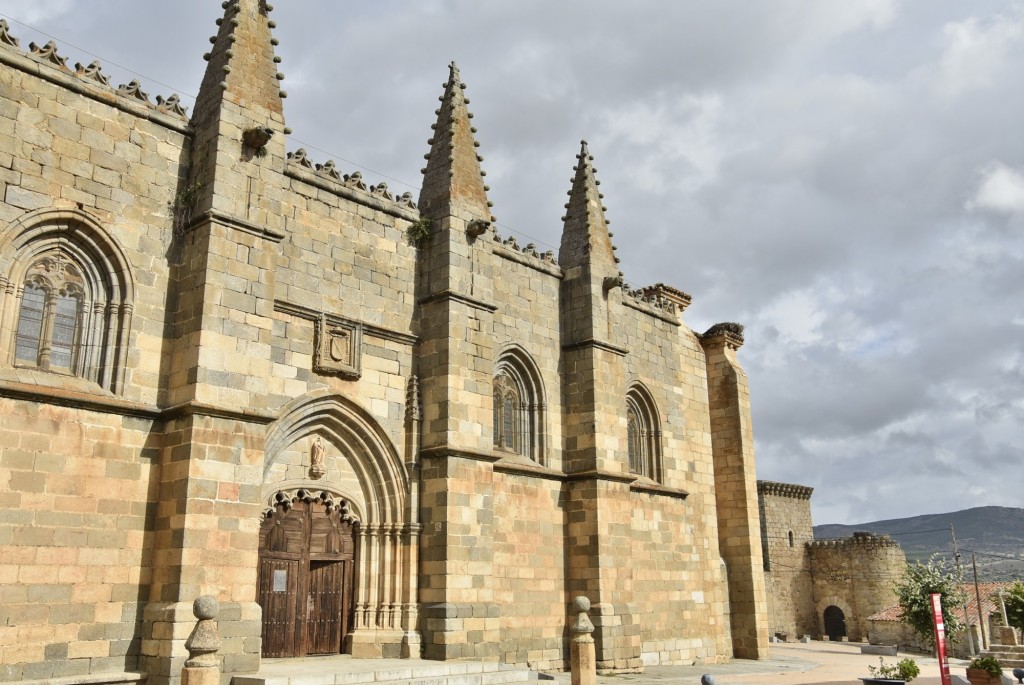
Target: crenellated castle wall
(848,579)
(857,575)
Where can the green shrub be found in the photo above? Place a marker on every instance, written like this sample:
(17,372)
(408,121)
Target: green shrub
(904,669)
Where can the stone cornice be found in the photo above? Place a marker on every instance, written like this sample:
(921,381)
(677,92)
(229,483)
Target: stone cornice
(97,400)
(651,488)
(530,470)
(368,329)
(451,295)
(768,487)
(201,409)
(214,216)
(727,334)
(676,296)
(101,402)
(598,344)
(297,171)
(649,309)
(443,452)
(536,263)
(600,474)
(65,78)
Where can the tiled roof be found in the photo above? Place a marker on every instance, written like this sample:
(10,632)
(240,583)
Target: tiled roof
(894,613)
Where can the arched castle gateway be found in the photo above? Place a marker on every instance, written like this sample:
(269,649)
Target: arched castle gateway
(365,422)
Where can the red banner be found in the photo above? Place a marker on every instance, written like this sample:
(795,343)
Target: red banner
(940,638)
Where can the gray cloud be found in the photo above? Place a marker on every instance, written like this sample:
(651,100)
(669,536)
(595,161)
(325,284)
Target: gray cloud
(846,179)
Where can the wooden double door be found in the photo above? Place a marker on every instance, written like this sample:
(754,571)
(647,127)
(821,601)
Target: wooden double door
(305,584)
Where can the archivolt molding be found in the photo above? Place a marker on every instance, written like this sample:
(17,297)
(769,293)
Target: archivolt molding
(517,365)
(106,284)
(356,435)
(76,231)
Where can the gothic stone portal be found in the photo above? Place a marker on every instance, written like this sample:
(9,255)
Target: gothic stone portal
(305,577)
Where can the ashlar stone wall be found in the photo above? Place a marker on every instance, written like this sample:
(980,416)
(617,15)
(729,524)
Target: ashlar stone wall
(96,173)
(786,530)
(264,329)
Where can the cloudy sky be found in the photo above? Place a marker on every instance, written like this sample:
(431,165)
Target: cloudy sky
(845,178)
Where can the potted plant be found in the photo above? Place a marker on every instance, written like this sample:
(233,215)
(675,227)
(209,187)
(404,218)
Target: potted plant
(903,671)
(985,670)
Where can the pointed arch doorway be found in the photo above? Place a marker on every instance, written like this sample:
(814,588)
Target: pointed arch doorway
(306,574)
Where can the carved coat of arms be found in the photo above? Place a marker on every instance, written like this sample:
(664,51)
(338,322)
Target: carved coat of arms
(337,347)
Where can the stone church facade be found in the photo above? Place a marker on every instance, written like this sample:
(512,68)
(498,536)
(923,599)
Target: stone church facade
(365,423)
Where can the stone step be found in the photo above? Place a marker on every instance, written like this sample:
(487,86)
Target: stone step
(1009,658)
(385,672)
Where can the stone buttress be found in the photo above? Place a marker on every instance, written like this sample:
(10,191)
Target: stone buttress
(594,388)
(456,367)
(732,443)
(209,504)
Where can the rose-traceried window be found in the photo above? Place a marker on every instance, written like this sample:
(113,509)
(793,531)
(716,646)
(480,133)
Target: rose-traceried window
(66,298)
(49,320)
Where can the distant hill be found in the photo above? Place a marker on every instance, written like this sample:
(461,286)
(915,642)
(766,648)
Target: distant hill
(994,534)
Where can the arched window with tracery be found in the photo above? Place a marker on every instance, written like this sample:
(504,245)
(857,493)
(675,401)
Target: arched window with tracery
(519,407)
(66,298)
(49,320)
(643,434)
(507,415)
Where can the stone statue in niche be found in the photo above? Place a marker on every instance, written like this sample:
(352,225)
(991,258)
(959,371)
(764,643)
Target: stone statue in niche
(317,469)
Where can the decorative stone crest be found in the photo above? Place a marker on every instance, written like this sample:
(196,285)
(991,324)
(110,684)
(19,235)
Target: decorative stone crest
(406,200)
(337,347)
(317,468)
(5,35)
(355,180)
(133,91)
(49,54)
(172,106)
(300,157)
(92,72)
(381,190)
(328,169)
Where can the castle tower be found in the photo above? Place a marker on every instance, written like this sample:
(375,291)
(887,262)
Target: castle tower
(786,533)
(853,579)
(225,263)
(594,388)
(732,443)
(456,368)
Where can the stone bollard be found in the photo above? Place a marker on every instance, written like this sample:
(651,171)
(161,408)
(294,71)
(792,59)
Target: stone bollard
(707,679)
(203,665)
(582,658)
